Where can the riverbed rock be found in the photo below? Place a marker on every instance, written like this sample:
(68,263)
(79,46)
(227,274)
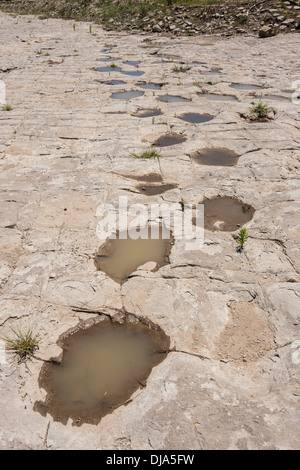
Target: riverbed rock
(266,32)
(231,377)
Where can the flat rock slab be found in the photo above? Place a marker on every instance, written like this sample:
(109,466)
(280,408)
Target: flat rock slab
(231,380)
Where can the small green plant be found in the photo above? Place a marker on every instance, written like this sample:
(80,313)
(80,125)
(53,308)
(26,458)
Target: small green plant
(23,344)
(245,208)
(148,154)
(153,120)
(90,29)
(38,51)
(181,68)
(113,66)
(242,238)
(260,110)
(243,19)
(7,107)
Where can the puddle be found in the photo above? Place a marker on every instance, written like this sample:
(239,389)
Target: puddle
(126,95)
(131,62)
(114,82)
(108,69)
(172,98)
(149,86)
(120,257)
(168,140)
(108,59)
(275,98)
(134,73)
(154,189)
(144,113)
(239,86)
(103,362)
(226,214)
(213,97)
(215,156)
(211,72)
(195,118)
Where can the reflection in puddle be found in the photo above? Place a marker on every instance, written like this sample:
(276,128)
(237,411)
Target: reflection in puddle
(154,189)
(120,257)
(213,97)
(149,86)
(114,82)
(275,98)
(171,98)
(103,362)
(108,59)
(144,113)
(195,118)
(215,156)
(132,63)
(126,95)
(226,214)
(169,139)
(135,73)
(108,69)
(239,86)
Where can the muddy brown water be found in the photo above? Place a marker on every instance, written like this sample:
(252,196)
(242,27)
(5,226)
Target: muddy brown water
(169,139)
(120,257)
(195,118)
(215,156)
(226,213)
(154,189)
(102,364)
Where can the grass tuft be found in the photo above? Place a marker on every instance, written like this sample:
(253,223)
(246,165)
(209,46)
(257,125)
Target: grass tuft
(259,110)
(7,107)
(23,344)
(181,68)
(148,154)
